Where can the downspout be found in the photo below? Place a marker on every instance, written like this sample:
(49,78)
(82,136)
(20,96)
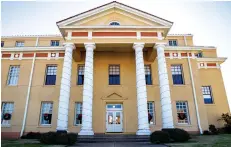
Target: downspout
(28,96)
(194,91)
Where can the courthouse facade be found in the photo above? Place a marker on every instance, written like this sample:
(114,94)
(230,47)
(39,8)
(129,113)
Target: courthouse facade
(113,69)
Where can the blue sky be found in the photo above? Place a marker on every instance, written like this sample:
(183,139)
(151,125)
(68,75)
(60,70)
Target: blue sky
(209,22)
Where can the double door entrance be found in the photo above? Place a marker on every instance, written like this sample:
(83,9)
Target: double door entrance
(114,118)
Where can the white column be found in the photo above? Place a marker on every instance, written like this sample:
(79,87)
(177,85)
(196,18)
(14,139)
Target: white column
(62,121)
(165,98)
(86,128)
(143,125)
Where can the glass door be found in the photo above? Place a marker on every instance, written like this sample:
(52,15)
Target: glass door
(114,121)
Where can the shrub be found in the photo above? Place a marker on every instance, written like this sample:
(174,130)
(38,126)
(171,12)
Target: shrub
(62,138)
(159,137)
(32,135)
(226,117)
(213,129)
(177,135)
(206,132)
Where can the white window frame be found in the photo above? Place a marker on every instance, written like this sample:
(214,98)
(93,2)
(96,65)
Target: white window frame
(207,94)
(55,42)
(173,40)
(78,110)
(9,109)
(13,75)
(19,43)
(151,111)
(187,112)
(42,112)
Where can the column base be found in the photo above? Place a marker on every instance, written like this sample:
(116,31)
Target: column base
(86,132)
(143,132)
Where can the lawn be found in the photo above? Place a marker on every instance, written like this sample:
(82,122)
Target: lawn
(222,140)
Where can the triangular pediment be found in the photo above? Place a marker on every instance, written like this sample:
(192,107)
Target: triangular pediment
(113,96)
(114,11)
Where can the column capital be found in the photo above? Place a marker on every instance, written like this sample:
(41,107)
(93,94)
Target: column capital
(159,44)
(138,45)
(90,46)
(69,44)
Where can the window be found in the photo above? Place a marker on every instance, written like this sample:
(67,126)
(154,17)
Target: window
(182,112)
(46,113)
(2,43)
(80,75)
(19,43)
(114,23)
(7,110)
(13,75)
(207,94)
(114,75)
(51,75)
(148,74)
(177,75)
(151,115)
(199,55)
(78,113)
(172,42)
(54,42)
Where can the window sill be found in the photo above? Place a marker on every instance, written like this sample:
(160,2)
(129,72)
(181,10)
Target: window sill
(180,85)
(50,85)
(115,85)
(44,126)
(5,126)
(210,104)
(78,125)
(184,125)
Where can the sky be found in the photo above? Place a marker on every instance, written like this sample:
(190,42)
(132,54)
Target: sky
(209,22)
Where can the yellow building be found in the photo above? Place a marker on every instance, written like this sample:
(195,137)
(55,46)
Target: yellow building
(114,68)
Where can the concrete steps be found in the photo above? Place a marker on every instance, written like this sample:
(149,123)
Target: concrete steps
(112,138)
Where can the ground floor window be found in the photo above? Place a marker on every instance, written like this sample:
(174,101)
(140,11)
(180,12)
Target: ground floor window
(182,112)
(78,113)
(151,115)
(46,113)
(7,110)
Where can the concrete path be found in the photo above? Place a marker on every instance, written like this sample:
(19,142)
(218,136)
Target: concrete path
(119,144)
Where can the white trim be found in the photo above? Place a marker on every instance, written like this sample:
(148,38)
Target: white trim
(29,36)
(89,35)
(69,35)
(114,21)
(189,47)
(138,35)
(179,35)
(113,27)
(37,42)
(28,96)
(48,48)
(218,59)
(185,41)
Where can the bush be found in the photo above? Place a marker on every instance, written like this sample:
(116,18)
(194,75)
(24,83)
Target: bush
(213,129)
(206,132)
(226,117)
(62,138)
(32,135)
(159,137)
(177,135)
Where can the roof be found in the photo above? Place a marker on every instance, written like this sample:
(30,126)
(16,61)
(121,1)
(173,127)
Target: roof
(109,4)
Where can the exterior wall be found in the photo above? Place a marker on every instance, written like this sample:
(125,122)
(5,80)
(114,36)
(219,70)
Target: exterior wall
(104,93)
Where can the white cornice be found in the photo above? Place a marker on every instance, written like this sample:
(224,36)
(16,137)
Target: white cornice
(24,49)
(218,59)
(112,27)
(189,47)
(179,35)
(31,36)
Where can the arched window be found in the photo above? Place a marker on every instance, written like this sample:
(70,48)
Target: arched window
(114,23)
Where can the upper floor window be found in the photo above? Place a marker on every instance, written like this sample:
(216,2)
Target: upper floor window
(207,94)
(13,75)
(46,113)
(182,112)
(7,110)
(78,113)
(54,42)
(114,75)
(199,55)
(19,43)
(151,115)
(2,43)
(172,42)
(177,75)
(80,75)
(114,23)
(148,74)
(51,71)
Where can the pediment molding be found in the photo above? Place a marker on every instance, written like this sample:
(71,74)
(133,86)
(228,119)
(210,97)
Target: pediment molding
(114,96)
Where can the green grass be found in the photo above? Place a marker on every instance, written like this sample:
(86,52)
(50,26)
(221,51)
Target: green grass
(222,140)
